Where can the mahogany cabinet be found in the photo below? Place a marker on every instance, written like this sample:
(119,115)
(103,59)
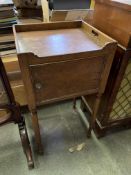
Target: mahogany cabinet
(113,18)
(56,61)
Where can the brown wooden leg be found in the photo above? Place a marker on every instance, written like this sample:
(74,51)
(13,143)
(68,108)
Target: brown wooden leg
(26,144)
(37,131)
(94,115)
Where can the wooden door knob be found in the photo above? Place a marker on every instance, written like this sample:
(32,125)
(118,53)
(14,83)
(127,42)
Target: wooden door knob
(38,85)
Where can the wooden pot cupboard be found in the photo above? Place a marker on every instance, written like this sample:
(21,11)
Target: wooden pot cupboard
(56,61)
(113,18)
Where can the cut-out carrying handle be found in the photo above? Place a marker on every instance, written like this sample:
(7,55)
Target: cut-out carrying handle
(95,33)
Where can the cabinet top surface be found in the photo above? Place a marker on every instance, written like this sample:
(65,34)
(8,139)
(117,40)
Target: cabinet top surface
(55,42)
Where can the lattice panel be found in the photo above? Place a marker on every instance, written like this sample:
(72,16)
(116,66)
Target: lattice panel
(122,105)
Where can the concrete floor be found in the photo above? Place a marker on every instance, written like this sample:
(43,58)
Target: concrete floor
(61,129)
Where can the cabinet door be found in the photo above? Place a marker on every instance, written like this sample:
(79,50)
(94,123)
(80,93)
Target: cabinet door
(66,79)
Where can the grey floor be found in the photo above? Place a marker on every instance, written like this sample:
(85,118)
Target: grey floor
(61,129)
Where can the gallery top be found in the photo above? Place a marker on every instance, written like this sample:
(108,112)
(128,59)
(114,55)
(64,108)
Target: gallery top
(59,38)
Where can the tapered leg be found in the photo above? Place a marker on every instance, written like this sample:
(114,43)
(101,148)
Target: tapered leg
(26,144)
(94,115)
(37,131)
